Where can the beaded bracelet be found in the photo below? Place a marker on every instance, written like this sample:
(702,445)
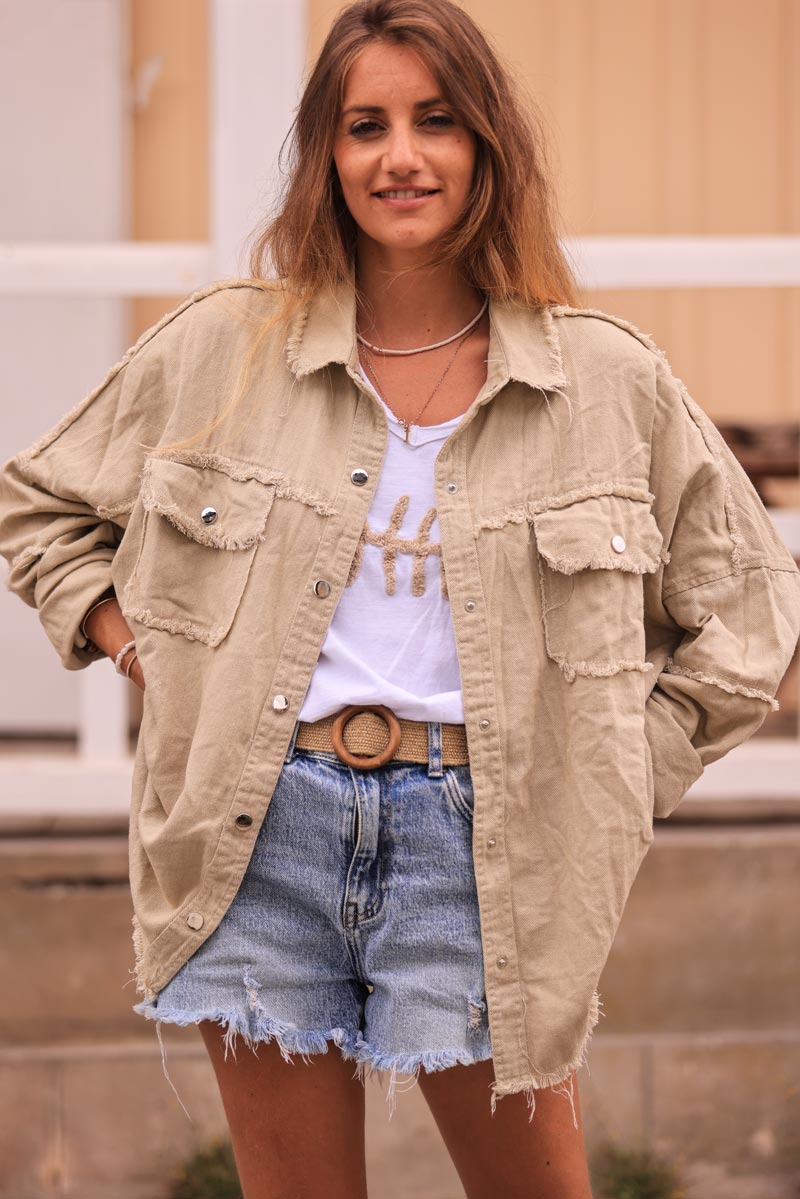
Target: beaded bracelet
(118,660)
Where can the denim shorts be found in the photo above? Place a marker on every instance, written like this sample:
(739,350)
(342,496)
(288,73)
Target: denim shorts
(356,922)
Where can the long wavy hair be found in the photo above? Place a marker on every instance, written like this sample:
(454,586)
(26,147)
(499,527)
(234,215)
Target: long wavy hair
(505,241)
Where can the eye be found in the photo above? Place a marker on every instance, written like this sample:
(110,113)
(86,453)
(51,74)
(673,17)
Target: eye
(361,127)
(440,120)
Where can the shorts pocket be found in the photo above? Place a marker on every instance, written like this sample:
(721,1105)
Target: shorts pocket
(201,531)
(591,556)
(459,784)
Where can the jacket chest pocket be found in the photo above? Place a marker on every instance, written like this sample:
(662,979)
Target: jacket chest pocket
(200,534)
(591,556)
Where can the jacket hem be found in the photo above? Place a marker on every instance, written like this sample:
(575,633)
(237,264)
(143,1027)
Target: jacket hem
(528,1084)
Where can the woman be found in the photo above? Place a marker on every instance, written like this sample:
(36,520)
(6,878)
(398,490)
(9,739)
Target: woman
(537,611)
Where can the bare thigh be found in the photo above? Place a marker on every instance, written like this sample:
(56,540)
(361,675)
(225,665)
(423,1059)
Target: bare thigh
(297,1128)
(506,1153)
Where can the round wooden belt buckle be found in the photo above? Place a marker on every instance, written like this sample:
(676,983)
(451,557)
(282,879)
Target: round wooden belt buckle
(365,763)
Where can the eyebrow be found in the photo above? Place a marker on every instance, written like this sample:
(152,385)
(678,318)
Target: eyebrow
(377,107)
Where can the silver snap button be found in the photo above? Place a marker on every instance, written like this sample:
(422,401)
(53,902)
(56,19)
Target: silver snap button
(451,487)
(501,962)
(195,920)
(470,605)
(491,842)
(359,477)
(484,724)
(618,542)
(244,820)
(322,588)
(208,515)
(280,703)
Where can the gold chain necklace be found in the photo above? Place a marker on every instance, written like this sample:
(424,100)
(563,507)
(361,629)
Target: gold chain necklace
(370,367)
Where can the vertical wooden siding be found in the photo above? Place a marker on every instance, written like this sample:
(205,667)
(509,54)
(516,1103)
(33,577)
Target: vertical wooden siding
(170,140)
(671,117)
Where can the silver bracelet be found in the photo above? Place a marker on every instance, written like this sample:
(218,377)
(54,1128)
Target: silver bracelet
(127,672)
(118,660)
(88,614)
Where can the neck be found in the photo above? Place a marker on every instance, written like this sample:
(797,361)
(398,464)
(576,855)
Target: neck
(419,306)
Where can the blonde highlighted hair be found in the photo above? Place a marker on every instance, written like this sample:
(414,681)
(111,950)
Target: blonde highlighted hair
(505,242)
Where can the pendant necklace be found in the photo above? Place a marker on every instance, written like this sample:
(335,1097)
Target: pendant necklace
(369,364)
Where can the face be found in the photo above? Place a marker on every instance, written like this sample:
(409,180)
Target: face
(405,159)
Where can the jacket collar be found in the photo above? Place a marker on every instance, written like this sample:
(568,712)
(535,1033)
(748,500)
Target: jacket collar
(523,343)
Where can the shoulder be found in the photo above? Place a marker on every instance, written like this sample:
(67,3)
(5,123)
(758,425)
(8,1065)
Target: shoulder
(224,306)
(607,340)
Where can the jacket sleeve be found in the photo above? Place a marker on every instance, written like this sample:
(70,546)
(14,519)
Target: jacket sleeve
(65,500)
(725,616)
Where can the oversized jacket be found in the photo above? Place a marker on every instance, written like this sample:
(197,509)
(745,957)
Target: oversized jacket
(623,610)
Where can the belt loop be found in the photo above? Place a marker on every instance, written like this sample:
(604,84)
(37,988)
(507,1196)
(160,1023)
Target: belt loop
(293,738)
(435,749)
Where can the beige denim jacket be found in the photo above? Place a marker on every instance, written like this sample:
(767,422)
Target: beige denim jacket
(622,604)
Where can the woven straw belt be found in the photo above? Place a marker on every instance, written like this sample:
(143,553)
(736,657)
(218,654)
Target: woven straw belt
(369,735)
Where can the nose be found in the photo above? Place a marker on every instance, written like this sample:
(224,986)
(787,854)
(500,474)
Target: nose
(401,155)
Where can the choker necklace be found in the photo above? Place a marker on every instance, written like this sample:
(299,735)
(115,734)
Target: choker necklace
(436,345)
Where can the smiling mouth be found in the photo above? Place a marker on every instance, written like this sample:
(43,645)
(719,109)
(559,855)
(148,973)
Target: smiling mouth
(409,193)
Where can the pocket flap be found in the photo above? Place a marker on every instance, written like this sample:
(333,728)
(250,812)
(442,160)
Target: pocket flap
(606,532)
(236,509)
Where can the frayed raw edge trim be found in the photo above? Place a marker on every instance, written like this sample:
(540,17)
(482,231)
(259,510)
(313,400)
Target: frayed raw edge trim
(242,471)
(567,565)
(713,680)
(72,415)
(524,512)
(186,628)
(294,343)
(711,435)
(109,511)
(533,1082)
(29,553)
(598,669)
(553,343)
(138,965)
(200,532)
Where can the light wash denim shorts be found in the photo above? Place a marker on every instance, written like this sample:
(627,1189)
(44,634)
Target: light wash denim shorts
(356,922)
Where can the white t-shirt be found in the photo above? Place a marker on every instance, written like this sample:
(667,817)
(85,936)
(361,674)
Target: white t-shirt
(391,640)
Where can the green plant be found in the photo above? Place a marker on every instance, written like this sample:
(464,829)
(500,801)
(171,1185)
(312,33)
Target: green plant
(209,1174)
(634,1174)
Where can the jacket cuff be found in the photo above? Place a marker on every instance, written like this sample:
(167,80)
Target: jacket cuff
(62,613)
(676,763)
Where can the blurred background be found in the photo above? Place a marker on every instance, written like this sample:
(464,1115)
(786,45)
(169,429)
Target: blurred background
(140,142)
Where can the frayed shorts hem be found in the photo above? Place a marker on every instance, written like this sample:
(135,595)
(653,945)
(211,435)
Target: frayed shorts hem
(291,1040)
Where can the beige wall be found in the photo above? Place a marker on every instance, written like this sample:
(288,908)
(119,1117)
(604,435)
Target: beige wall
(672,117)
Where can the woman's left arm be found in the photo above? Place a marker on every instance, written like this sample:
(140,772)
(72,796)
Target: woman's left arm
(728,600)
